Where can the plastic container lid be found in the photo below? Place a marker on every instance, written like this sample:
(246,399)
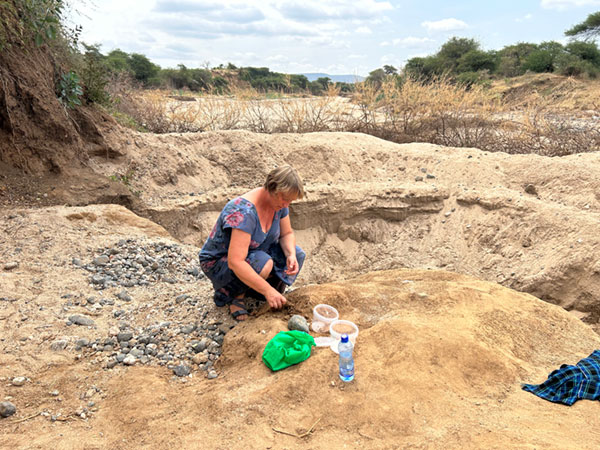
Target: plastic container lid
(323,315)
(337,328)
(324,341)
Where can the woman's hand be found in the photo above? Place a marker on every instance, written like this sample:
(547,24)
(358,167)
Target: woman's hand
(291,265)
(275,299)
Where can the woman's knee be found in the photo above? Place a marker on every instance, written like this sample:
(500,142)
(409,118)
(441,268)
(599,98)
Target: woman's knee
(300,256)
(267,268)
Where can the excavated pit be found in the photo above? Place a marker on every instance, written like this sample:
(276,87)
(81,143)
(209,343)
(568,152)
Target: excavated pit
(527,222)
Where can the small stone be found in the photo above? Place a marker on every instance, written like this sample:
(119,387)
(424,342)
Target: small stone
(11,265)
(530,189)
(212,375)
(54,393)
(418,178)
(124,336)
(187,329)
(58,345)
(101,260)
(97,279)
(79,319)
(181,370)
(79,343)
(214,348)
(299,323)
(181,298)
(18,381)
(7,409)
(136,352)
(129,360)
(200,358)
(76,262)
(123,295)
(430,176)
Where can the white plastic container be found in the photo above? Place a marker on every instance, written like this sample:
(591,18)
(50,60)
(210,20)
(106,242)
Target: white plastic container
(323,315)
(339,327)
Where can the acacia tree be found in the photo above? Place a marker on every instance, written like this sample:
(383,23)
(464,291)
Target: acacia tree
(588,29)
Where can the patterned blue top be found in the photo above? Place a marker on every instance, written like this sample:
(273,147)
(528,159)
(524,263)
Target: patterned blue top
(571,383)
(241,214)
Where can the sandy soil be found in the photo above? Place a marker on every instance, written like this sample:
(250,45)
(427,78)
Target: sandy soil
(440,356)
(439,361)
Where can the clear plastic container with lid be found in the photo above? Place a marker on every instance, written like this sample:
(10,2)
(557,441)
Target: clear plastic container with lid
(323,315)
(337,328)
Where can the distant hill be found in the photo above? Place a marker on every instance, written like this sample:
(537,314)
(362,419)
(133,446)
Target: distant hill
(334,78)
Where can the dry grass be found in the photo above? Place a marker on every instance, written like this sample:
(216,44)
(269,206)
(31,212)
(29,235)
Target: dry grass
(551,120)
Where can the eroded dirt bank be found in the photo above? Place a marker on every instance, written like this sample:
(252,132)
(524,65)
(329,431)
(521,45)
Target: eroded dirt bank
(527,222)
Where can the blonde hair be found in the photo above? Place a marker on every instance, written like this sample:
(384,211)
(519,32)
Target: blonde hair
(284,179)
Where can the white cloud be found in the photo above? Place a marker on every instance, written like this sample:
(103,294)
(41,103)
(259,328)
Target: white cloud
(320,10)
(278,58)
(566,4)
(445,25)
(364,30)
(413,42)
(356,56)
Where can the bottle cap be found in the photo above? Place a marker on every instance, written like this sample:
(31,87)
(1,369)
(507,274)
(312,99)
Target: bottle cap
(344,338)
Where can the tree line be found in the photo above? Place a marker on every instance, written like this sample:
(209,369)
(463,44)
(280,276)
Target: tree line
(218,80)
(465,61)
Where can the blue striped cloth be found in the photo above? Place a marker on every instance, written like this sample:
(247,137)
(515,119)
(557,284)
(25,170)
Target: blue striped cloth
(571,383)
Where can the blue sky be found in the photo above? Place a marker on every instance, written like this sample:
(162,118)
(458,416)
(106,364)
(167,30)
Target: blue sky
(331,36)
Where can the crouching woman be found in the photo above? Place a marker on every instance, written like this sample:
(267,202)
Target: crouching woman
(252,245)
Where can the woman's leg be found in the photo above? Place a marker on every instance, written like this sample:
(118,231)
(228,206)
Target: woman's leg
(264,273)
(280,262)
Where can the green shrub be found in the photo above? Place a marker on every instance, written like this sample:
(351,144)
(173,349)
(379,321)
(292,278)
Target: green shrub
(586,51)
(69,90)
(540,61)
(94,76)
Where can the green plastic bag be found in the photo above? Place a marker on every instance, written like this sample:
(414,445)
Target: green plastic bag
(287,348)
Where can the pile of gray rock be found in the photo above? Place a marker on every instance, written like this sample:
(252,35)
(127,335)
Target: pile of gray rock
(129,264)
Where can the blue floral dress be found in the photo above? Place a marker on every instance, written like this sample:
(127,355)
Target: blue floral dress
(242,214)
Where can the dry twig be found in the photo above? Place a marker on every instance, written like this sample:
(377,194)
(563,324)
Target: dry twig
(310,430)
(26,418)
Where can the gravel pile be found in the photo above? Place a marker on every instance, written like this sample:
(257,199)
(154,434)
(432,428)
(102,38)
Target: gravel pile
(130,264)
(149,321)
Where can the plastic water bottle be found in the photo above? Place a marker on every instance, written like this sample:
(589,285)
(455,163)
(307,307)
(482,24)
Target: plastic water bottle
(346,360)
